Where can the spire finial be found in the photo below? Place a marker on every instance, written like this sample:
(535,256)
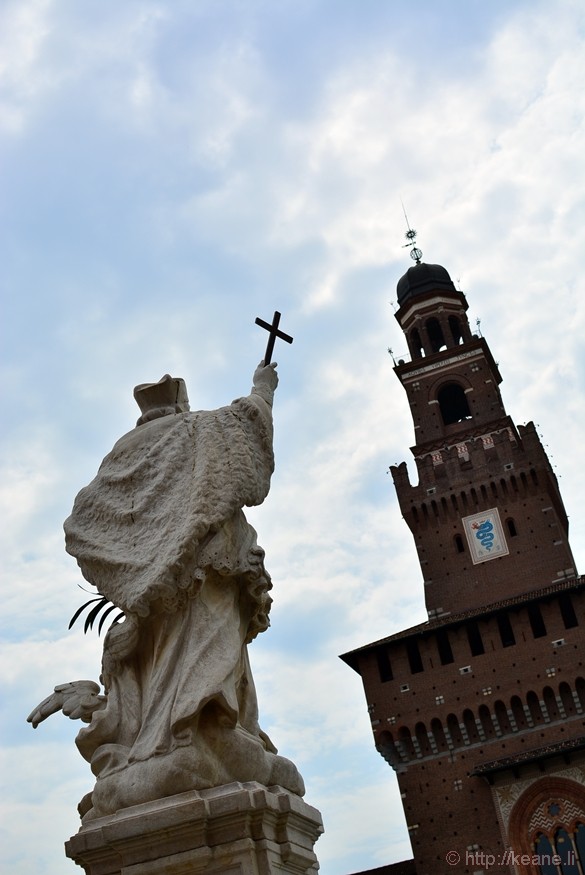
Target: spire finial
(415,252)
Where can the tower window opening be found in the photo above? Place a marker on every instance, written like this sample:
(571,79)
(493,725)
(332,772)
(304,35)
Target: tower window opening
(414,658)
(475,639)
(501,713)
(511,526)
(453,404)
(416,347)
(384,666)
(435,334)
(567,699)
(456,332)
(536,621)
(550,703)
(486,721)
(439,734)
(470,725)
(454,731)
(505,629)
(517,709)
(459,545)
(444,647)
(533,703)
(568,611)
(534,476)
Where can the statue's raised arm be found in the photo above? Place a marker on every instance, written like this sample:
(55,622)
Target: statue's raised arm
(265,381)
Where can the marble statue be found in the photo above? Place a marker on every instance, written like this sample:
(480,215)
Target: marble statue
(160,532)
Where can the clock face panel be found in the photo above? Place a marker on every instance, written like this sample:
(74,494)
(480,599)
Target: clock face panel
(485,536)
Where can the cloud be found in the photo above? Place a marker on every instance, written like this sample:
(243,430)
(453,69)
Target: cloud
(174,170)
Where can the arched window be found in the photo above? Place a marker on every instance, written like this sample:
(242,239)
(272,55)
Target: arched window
(438,733)
(502,717)
(388,750)
(550,702)
(404,743)
(567,699)
(455,327)
(435,334)
(416,347)
(454,730)
(423,739)
(486,721)
(470,726)
(534,707)
(518,712)
(545,852)
(511,526)
(567,851)
(459,545)
(453,404)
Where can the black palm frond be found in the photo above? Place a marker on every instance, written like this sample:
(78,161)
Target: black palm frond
(99,603)
(105,616)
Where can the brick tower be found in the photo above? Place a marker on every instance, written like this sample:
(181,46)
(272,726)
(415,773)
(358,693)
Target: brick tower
(480,710)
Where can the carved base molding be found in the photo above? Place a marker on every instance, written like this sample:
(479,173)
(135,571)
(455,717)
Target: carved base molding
(236,829)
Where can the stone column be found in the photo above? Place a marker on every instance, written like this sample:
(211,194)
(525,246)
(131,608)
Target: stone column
(236,829)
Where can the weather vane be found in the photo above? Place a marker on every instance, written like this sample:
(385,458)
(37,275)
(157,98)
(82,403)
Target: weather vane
(415,252)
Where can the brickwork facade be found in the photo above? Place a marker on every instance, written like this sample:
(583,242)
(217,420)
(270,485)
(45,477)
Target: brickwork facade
(486,699)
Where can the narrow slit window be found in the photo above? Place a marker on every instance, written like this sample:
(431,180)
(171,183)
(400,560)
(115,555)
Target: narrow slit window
(384,665)
(568,611)
(444,647)
(475,639)
(536,622)
(414,658)
(505,629)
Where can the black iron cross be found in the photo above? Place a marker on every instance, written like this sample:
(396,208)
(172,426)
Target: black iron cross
(274,333)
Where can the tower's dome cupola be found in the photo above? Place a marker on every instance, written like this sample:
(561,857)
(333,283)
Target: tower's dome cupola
(423,278)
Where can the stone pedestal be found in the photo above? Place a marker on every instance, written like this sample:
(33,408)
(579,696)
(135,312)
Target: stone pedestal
(236,829)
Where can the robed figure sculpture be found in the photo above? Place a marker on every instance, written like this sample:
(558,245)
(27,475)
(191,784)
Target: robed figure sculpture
(160,532)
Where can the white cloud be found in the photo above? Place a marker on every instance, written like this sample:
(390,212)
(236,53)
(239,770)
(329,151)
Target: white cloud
(201,195)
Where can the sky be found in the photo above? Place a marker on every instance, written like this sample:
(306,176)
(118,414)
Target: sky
(169,172)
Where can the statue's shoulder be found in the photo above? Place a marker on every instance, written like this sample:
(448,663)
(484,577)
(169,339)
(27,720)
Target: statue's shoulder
(150,433)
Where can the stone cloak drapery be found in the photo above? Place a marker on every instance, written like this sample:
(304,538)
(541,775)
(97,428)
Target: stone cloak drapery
(162,493)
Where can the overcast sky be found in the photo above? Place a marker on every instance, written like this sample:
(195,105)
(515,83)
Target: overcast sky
(170,171)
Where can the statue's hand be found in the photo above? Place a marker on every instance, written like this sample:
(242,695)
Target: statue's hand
(265,377)
(78,700)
